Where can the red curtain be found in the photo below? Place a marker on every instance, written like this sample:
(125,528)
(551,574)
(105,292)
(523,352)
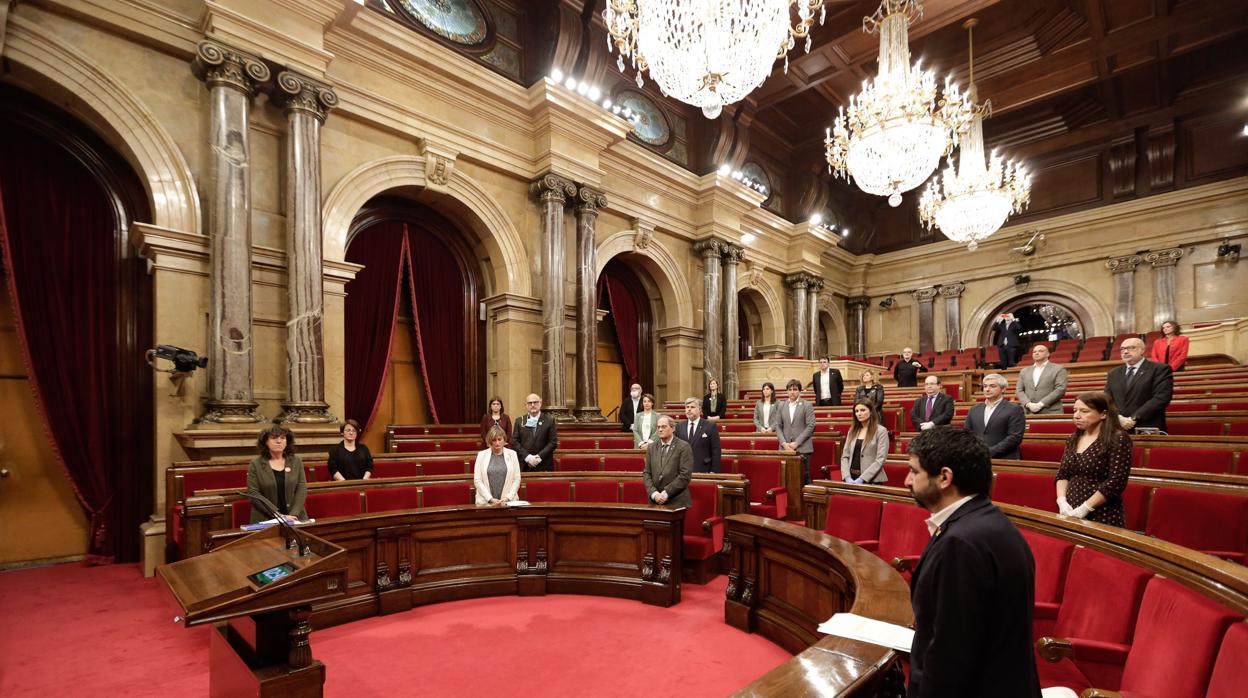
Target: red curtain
(372,306)
(437,288)
(58,233)
(623,314)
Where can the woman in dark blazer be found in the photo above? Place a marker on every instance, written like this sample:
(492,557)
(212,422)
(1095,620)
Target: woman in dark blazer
(866,447)
(495,416)
(767,411)
(1171,347)
(349,459)
(872,392)
(714,403)
(277,475)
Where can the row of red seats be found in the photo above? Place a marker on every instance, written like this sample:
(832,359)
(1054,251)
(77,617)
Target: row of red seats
(1226,461)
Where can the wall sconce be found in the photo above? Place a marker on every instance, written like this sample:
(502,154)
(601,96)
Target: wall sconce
(1228,252)
(887,303)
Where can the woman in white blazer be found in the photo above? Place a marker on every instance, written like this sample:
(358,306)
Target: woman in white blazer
(646,423)
(866,447)
(496,475)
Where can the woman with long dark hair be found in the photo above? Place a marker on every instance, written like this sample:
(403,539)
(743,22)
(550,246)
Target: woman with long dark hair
(1096,463)
(766,412)
(495,416)
(866,447)
(277,475)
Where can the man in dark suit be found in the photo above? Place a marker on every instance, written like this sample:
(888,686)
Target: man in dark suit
(828,384)
(934,409)
(973,588)
(702,437)
(1140,388)
(669,465)
(797,426)
(534,437)
(1005,337)
(906,372)
(630,407)
(999,422)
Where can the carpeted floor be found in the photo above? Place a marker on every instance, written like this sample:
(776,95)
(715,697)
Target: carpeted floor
(76,631)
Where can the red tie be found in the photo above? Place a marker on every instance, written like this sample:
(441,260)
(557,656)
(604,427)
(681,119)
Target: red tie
(927,415)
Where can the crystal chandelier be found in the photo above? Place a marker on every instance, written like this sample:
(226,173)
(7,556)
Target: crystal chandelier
(977,198)
(707,53)
(895,130)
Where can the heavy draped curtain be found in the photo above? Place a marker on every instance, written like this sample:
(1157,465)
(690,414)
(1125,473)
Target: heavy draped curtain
(372,306)
(623,313)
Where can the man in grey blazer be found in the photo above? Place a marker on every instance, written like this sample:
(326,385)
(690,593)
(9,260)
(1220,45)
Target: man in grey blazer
(1041,386)
(999,422)
(797,427)
(669,466)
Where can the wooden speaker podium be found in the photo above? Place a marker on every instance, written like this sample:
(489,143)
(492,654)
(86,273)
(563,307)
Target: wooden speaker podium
(258,591)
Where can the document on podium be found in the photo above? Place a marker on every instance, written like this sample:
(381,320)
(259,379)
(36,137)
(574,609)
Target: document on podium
(271,522)
(517,503)
(876,632)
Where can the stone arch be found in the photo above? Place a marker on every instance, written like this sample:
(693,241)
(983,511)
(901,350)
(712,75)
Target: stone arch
(45,65)
(832,320)
(676,310)
(461,198)
(769,306)
(1094,315)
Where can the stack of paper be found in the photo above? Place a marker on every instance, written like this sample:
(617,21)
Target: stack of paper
(517,503)
(877,632)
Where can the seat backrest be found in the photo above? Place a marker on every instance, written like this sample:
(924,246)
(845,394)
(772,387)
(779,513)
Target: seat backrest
(763,473)
(1230,669)
(321,505)
(446,495)
(578,443)
(1135,505)
(597,490)
(1052,556)
(1200,460)
(1044,451)
(442,467)
(902,531)
(1176,642)
(1050,426)
(241,511)
(618,442)
(633,492)
(395,468)
(391,498)
(213,480)
(548,491)
(629,463)
(853,518)
(1209,521)
(896,473)
(1091,580)
(1024,489)
(1194,428)
(705,496)
(578,462)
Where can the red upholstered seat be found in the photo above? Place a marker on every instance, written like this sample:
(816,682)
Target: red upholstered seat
(322,505)
(579,461)
(391,498)
(1024,489)
(743,443)
(597,491)
(1189,407)
(616,442)
(440,467)
(421,446)
(395,468)
(824,453)
(1239,429)
(854,519)
(578,443)
(1101,632)
(738,428)
(1201,460)
(633,492)
(701,543)
(1135,505)
(1052,557)
(1211,522)
(213,480)
(1176,642)
(767,492)
(240,509)
(1230,669)
(631,463)
(1050,426)
(446,495)
(548,491)
(903,533)
(896,473)
(1049,451)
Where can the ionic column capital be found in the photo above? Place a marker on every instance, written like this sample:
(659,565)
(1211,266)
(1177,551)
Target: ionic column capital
(219,65)
(1124,264)
(589,200)
(800,280)
(295,92)
(551,187)
(859,302)
(709,249)
(924,295)
(733,254)
(953,290)
(1164,258)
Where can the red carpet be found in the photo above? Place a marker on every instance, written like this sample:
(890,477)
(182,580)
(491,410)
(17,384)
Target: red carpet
(76,631)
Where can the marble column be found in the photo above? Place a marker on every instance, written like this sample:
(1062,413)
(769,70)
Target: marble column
(729,383)
(927,323)
(553,192)
(812,317)
(952,294)
(306,104)
(1123,269)
(1163,262)
(588,201)
(801,335)
(712,347)
(857,329)
(232,78)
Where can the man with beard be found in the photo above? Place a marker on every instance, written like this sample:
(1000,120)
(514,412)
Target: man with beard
(973,588)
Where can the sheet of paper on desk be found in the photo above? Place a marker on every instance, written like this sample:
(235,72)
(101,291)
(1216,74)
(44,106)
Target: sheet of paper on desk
(271,522)
(517,503)
(877,632)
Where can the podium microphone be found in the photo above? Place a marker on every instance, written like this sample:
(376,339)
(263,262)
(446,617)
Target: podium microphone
(269,509)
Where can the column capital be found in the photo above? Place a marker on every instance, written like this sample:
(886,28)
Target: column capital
(589,200)
(733,254)
(924,295)
(815,284)
(553,187)
(709,248)
(800,280)
(1164,258)
(295,92)
(953,290)
(858,301)
(220,65)
(1124,264)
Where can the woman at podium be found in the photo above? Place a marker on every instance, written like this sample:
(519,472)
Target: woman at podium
(277,475)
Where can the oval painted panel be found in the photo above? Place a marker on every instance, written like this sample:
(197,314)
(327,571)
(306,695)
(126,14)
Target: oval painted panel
(754,171)
(461,21)
(652,126)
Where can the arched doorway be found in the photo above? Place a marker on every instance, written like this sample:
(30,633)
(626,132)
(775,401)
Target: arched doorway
(1042,316)
(749,324)
(625,334)
(415,346)
(75,390)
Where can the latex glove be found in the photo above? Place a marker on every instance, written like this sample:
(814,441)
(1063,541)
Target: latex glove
(1081,511)
(1126,422)
(1035,406)
(1063,507)
(926,425)
(855,481)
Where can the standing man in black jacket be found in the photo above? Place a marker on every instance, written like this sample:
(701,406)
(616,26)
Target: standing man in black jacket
(630,407)
(828,384)
(906,372)
(1140,388)
(973,588)
(1005,337)
(534,437)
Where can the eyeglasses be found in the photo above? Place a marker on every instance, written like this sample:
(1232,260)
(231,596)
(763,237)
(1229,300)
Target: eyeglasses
(533,402)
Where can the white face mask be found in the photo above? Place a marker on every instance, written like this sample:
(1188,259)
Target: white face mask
(636,394)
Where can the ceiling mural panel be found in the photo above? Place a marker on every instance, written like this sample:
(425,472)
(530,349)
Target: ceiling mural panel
(461,21)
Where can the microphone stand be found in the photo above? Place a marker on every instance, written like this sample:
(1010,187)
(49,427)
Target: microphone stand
(290,533)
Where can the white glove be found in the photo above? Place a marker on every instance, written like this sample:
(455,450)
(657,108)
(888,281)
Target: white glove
(1063,507)
(1035,406)
(927,425)
(1081,511)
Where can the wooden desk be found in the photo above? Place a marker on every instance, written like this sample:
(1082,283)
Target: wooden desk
(400,559)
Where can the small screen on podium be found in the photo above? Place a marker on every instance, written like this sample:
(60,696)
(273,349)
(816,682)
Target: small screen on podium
(272,574)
